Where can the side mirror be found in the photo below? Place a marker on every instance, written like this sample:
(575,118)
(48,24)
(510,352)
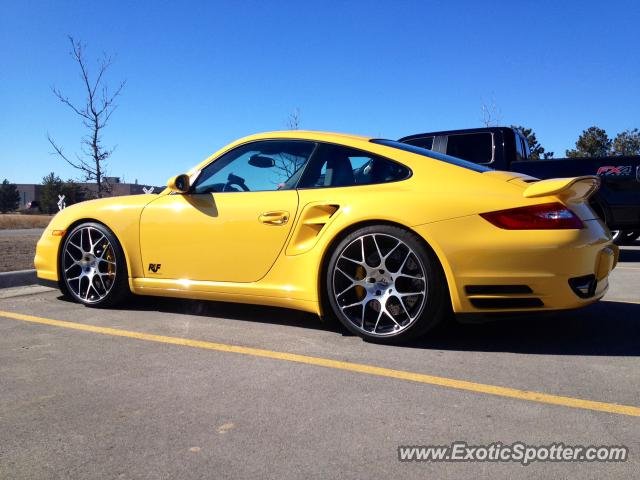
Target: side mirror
(179,183)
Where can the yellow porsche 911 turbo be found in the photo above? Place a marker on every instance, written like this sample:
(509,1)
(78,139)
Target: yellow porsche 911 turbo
(386,237)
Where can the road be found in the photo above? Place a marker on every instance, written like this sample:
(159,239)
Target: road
(128,397)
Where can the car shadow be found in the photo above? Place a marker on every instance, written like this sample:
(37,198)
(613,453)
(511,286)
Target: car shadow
(231,311)
(606,328)
(203,202)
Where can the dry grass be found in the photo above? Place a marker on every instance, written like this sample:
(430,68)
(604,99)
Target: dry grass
(17,252)
(12,220)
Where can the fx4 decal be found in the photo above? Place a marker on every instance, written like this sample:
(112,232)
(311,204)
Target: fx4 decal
(154,267)
(621,170)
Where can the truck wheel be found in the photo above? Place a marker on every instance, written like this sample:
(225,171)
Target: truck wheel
(625,237)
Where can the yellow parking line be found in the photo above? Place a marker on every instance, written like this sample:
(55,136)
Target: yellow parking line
(348,366)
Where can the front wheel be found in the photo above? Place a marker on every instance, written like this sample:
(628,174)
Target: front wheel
(93,268)
(383,285)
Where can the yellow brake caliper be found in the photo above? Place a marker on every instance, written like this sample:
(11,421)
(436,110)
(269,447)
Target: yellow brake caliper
(109,257)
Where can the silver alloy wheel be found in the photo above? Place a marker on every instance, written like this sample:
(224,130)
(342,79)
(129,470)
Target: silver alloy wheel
(89,264)
(379,284)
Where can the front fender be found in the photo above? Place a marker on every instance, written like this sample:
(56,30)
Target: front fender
(120,214)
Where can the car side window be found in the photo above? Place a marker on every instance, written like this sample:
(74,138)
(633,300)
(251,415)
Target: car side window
(339,166)
(257,166)
(474,147)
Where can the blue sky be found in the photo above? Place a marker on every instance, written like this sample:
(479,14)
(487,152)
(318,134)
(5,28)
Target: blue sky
(201,74)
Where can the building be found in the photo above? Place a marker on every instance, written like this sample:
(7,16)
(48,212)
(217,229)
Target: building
(30,192)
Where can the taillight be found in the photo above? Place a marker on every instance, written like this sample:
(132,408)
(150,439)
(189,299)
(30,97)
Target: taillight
(535,217)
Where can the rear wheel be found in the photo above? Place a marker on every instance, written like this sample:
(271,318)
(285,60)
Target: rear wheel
(92,266)
(383,285)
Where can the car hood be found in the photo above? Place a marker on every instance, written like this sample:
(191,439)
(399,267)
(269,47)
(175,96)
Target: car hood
(125,201)
(101,208)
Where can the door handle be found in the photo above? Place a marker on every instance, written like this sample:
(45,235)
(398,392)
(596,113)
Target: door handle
(274,218)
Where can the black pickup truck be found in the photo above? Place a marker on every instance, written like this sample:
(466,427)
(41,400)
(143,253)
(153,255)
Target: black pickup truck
(617,201)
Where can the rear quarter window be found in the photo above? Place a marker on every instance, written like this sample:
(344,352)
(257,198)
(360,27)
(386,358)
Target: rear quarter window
(340,166)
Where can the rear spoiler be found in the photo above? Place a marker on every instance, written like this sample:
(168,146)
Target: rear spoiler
(568,189)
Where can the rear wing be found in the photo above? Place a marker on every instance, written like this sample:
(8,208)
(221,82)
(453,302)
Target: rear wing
(574,189)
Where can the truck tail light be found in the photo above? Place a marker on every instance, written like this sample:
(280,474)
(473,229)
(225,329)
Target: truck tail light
(546,216)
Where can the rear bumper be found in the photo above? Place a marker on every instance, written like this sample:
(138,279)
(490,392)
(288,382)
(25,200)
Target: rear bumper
(494,270)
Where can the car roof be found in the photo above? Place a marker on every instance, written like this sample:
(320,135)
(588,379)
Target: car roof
(368,144)
(330,137)
(305,135)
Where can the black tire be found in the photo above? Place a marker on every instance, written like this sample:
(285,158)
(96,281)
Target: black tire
(396,320)
(107,261)
(625,237)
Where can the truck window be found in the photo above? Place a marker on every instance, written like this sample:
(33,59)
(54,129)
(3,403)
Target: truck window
(407,147)
(423,142)
(522,146)
(525,148)
(519,151)
(474,147)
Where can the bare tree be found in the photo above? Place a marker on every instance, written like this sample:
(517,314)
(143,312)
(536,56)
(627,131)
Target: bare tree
(293,120)
(96,110)
(288,164)
(491,115)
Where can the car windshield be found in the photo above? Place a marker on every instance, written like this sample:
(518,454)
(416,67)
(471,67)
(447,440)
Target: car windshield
(431,154)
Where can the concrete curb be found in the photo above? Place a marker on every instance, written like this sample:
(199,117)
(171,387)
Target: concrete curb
(18,278)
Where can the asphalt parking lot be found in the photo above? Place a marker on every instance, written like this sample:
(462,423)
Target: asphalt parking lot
(118,394)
